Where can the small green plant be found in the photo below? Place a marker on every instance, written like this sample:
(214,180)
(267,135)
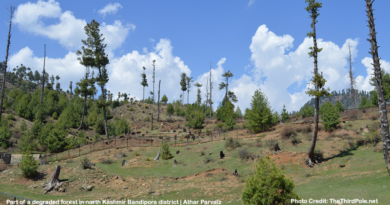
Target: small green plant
(28,165)
(137,154)
(147,119)
(244,154)
(55,116)
(147,159)
(220,125)
(268,185)
(10,117)
(202,153)
(131,109)
(232,144)
(165,153)
(23,126)
(85,163)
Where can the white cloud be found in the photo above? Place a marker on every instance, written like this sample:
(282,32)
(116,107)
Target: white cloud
(363,83)
(69,31)
(110,9)
(282,69)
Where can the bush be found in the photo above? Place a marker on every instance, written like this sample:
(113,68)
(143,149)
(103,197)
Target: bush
(230,123)
(268,185)
(287,132)
(10,117)
(329,115)
(219,125)
(137,154)
(28,165)
(170,109)
(165,153)
(55,116)
(106,161)
(196,120)
(208,159)
(147,119)
(23,126)
(5,134)
(85,163)
(295,140)
(146,107)
(131,109)
(244,154)
(232,144)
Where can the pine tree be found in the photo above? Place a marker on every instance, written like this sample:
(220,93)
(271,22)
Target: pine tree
(259,116)
(198,96)
(189,81)
(183,84)
(329,115)
(317,80)
(228,94)
(144,83)
(285,115)
(94,56)
(339,106)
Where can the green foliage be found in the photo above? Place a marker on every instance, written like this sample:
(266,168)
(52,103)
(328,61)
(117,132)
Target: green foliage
(170,109)
(164,99)
(147,119)
(5,134)
(36,128)
(268,185)
(196,119)
(85,163)
(23,125)
(10,117)
(219,125)
(165,153)
(275,117)
(374,98)
(118,126)
(320,81)
(307,111)
(55,116)
(137,154)
(364,103)
(28,165)
(259,116)
(131,109)
(81,140)
(225,110)
(339,106)
(26,143)
(229,123)
(232,144)
(179,111)
(329,115)
(385,84)
(238,113)
(285,115)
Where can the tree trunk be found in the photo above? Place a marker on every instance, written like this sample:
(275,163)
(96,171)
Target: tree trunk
(151,121)
(158,102)
(6,61)
(158,156)
(54,182)
(379,86)
(43,74)
(85,101)
(143,95)
(310,155)
(211,87)
(104,112)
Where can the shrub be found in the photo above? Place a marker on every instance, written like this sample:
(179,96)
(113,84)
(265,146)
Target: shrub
(131,109)
(287,132)
(148,159)
(202,153)
(28,165)
(208,159)
(10,117)
(232,144)
(170,109)
(295,140)
(137,154)
(23,126)
(5,134)
(85,163)
(268,185)
(146,107)
(318,154)
(105,161)
(244,154)
(230,123)
(55,116)
(147,119)
(329,115)
(165,153)
(219,125)
(353,114)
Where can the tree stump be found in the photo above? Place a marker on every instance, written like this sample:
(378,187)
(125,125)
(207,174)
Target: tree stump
(221,154)
(175,162)
(158,156)
(54,182)
(276,147)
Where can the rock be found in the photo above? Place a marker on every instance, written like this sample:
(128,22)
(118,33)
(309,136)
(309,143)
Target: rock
(342,165)
(124,187)
(90,187)
(84,186)
(104,176)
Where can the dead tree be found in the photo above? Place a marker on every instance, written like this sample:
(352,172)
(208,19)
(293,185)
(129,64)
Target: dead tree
(158,102)
(154,68)
(43,73)
(12,10)
(211,88)
(54,182)
(352,80)
(158,156)
(379,85)
(151,121)
(207,98)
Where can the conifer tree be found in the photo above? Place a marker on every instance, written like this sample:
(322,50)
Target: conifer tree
(189,81)
(199,96)
(183,84)
(144,83)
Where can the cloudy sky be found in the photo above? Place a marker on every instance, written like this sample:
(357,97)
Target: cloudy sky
(263,43)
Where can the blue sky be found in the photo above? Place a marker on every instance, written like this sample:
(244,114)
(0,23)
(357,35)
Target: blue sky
(263,43)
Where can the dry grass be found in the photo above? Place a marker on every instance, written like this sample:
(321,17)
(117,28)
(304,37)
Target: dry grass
(287,132)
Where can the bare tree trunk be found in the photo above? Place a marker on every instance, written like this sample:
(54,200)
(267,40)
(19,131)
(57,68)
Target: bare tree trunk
(379,86)
(154,68)
(207,98)
(104,112)
(151,121)
(351,78)
(310,158)
(43,74)
(158,102)
(12,9)
(54,181)
(211,87)
(85,101)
